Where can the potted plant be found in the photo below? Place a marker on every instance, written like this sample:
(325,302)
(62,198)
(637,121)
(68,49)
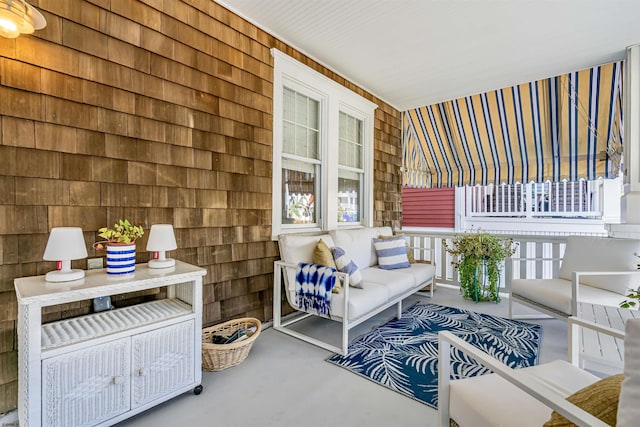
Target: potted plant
(120,241)
(479,258)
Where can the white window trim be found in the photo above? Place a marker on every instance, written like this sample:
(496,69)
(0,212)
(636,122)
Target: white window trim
(334,98)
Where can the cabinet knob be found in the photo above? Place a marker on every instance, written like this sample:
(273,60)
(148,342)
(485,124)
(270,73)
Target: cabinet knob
(142,372)
(118,380)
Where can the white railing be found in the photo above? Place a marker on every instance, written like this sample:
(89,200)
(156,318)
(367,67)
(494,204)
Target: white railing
(564,199)
(430,246)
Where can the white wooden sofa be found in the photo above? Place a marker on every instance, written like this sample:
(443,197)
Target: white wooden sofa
(380,288)
(597,270)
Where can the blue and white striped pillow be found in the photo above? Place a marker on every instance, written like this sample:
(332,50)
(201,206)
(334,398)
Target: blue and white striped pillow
(392,253)
(346,265)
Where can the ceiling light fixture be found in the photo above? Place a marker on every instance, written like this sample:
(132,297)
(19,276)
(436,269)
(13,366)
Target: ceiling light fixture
(19,17)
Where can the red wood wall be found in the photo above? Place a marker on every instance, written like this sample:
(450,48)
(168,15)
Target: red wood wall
(428,207)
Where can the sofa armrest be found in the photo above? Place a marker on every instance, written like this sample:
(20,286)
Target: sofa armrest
(517,377)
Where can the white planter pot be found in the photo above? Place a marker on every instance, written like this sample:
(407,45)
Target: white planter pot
(121,259)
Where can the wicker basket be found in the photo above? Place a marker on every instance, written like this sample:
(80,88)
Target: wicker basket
(216,357)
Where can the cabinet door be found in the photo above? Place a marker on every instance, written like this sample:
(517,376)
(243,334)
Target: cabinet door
(162,361)
(86,387)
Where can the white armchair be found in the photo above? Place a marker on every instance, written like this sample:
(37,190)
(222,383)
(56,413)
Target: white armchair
(597,270)
(527,397)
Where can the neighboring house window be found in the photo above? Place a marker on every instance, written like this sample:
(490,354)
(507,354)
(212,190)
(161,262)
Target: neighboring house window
(322,151)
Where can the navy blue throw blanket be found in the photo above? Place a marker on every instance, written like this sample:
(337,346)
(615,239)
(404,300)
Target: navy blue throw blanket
(314,284)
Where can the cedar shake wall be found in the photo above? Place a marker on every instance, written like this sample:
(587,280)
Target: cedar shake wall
(159,111)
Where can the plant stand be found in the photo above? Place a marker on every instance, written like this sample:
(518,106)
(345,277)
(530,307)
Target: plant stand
(481,285)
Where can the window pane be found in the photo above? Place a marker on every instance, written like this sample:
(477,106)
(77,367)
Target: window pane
(313,144)
(288,138)
(349,196)
(350,141)
(289,97)
(301,109)
(299,185)
(301,141)
(314,114)
(343,125)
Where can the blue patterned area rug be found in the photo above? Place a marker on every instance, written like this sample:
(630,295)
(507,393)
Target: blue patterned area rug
(403,354)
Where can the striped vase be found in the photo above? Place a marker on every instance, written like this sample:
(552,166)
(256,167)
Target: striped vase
(121,258)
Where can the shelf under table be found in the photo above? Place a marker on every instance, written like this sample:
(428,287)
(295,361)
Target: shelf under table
(90,326)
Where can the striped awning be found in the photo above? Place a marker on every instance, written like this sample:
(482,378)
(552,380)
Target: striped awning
(559,128)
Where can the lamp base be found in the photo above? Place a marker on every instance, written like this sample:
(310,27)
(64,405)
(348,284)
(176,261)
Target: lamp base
(161,263)
(64,276)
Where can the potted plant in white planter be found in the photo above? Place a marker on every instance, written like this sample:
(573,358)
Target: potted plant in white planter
(120,242)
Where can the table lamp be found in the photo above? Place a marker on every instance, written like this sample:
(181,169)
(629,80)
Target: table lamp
(161,239)
(65,244)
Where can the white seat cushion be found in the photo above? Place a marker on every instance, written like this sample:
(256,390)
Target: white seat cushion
(490,400)
(556,293)
(587,253)
(361,301)
(422,273)
(396,281)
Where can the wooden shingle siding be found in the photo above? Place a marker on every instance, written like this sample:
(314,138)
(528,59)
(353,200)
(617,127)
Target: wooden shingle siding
(428,207)
(160,112)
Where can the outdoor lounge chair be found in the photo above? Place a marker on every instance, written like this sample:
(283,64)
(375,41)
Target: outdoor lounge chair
(598,270)
(526,397)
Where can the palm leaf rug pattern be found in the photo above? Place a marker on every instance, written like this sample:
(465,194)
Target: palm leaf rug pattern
(402,354)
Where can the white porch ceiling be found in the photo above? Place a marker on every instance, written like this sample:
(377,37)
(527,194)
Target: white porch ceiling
(412,53)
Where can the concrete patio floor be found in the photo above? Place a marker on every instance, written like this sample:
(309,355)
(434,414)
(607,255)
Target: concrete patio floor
(286,382)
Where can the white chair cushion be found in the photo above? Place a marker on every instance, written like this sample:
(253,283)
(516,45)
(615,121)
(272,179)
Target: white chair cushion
(586,253)
(489,400)
(358,243)
(628,408)
(556,293)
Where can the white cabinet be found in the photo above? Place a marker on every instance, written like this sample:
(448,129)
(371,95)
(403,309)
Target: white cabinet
(102,368)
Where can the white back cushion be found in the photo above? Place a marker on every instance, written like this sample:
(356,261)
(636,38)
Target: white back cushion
(358,243)
(586,253)
(295,248)
(628,408)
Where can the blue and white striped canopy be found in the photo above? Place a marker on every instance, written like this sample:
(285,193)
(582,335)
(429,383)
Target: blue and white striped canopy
(552,129)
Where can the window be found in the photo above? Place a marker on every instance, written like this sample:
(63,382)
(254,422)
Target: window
(350,170)
(322,151)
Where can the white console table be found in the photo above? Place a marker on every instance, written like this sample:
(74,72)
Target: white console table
(101,368)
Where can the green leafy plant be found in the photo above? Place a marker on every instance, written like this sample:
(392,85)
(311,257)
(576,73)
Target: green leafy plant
(634,294)
(477,255)
(122,232)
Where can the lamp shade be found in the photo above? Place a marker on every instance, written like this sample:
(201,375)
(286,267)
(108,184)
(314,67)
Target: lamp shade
(64,245)
(19,17)
(161,239)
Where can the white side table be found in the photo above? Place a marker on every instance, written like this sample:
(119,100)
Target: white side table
(104,367)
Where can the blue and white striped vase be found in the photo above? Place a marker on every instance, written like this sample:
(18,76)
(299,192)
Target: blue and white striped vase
(121,259)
